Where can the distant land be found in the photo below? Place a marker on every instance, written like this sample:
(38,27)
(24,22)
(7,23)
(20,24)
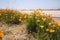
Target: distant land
(39,9)
(36,9)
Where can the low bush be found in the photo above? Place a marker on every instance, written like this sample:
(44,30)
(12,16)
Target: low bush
(10,16)
(42,26)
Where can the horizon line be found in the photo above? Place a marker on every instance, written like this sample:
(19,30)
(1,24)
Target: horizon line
(33,9)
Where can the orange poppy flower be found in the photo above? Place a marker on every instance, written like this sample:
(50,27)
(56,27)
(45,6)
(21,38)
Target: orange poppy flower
(1,35)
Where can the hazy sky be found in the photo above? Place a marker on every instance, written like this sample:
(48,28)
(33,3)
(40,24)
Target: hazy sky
(29,4)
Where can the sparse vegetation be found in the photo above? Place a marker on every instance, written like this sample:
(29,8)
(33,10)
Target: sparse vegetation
(36,25)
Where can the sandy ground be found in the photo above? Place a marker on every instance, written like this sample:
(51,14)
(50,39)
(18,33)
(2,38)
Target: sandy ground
(16,32)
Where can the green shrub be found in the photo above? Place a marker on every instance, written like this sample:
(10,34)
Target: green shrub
(10,16)
(42,26)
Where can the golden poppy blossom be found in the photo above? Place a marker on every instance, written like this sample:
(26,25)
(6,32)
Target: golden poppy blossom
(44,19)
(37,21)
(47,15)
(49,24)
(37,14)
(41,26)
(1,35)
(58,23)
(25,16)
(52,30)
(29,16)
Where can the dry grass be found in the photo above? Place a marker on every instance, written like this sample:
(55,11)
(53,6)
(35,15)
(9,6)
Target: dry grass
(15,32)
